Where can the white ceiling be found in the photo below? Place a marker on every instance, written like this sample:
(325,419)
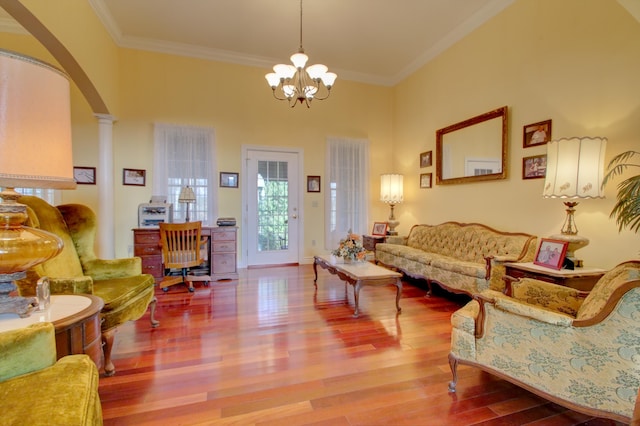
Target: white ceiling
(372,41)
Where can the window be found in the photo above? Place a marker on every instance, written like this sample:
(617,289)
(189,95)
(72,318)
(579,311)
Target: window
(348,189)
(184,155)
(49,195)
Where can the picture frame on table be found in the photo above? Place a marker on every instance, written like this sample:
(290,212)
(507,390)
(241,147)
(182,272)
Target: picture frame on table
(84,175)
(380,228)
(228,180)
(534,167)
(536,134)
(136,177)
(425,159)
(313,183)
(425,180)
(551,253)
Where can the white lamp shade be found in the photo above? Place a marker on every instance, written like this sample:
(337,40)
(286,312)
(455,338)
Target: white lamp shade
(284,71)
(35,124)
(187,195)
(391,188)
(272,79)
(329,78)
(316,71)
(299,60)
(575,168)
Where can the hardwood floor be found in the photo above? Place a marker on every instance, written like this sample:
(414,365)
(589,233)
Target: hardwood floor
(268,349)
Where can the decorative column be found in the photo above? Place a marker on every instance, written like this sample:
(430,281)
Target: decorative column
(104,180)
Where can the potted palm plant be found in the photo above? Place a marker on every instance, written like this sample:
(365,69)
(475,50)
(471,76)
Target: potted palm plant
(627,208)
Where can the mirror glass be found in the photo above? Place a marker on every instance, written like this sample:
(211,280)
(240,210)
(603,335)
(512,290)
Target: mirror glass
(473,150)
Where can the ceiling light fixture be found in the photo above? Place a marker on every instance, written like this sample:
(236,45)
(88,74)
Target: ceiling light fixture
(294,83)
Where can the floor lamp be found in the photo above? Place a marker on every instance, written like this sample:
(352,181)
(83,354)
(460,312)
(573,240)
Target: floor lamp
(575,168)
(391,192)
(35,152)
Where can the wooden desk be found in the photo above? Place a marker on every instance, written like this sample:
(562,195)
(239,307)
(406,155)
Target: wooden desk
(220,259)
(76,319)
(580,278)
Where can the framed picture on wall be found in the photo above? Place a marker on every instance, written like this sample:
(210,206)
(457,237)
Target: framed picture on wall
(536,134)
(425,159)
(228,180)
(534,167)
(313,183)
(133,177)
(84,175)
(551,253)
(425,180)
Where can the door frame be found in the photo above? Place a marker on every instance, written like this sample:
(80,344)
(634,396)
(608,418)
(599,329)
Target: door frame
(244,251)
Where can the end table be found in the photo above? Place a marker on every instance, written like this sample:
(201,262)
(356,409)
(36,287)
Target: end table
(76,319)
(580,278)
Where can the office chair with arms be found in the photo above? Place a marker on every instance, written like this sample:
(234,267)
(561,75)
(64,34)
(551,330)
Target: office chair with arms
(181,249)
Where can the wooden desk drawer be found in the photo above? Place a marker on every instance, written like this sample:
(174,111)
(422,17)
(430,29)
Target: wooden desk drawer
(223,263)
(224,247)
(224,235)
(151,237)
(152,265)
(147,250)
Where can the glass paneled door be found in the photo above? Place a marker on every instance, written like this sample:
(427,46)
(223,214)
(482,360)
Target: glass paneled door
(272,208)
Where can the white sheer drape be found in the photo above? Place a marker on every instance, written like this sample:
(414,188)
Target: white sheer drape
(347,195)
(185,155)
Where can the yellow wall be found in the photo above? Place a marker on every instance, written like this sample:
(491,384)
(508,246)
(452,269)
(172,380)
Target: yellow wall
(237,103)
(573,61)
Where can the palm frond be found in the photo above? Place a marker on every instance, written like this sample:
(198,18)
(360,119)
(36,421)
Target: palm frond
(618,165)
(626,211)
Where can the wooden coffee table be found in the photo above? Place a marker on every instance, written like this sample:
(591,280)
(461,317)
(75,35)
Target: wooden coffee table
(359,274)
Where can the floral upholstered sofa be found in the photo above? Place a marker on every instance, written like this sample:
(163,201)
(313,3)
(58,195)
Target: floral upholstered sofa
(461,257)
(580,350)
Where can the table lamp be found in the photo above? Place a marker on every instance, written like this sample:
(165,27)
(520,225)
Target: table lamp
(35,152)
(575,168)
(187,197)
(391,188)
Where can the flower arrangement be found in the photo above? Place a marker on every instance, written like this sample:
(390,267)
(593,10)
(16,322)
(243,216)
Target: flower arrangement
(350,248)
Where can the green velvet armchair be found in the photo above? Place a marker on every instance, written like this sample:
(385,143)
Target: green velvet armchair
(35,389)
(578,349)
(120,283)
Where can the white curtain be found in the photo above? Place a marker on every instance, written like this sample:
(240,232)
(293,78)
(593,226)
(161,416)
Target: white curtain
(347,194)
(185,155)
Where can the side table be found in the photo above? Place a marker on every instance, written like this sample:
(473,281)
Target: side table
(76,319)
(369,242)
(580,278)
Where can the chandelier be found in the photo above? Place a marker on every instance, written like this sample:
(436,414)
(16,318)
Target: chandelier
(294,83)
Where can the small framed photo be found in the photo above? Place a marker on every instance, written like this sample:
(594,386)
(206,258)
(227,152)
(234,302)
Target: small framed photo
(425,180)
(536,134)
(84,175)
(534,167)
(551,253)
(133,177)
(313,183)
(425,159)
(380,228)
(228,180)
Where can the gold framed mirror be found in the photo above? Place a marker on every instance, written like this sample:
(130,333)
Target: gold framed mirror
(473,150)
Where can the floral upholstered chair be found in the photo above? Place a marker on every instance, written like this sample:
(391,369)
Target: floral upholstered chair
(120,283)
(580,350)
